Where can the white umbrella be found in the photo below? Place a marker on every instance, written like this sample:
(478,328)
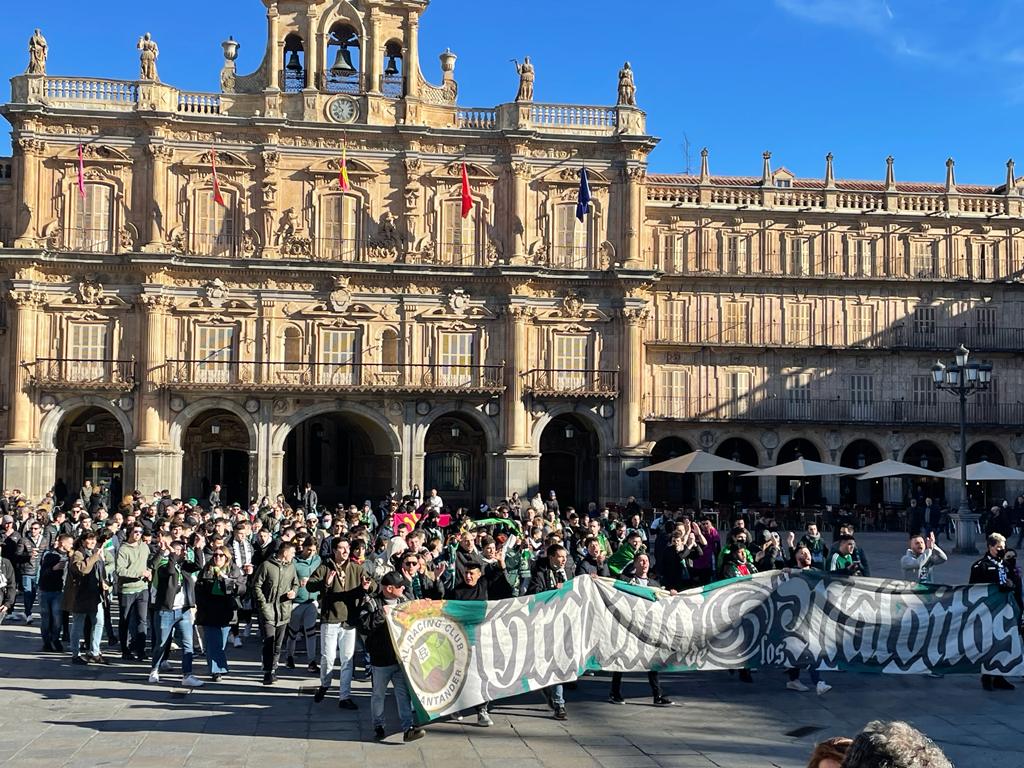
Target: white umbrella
(890,468)
(802,468)
(697,462)
(985,470)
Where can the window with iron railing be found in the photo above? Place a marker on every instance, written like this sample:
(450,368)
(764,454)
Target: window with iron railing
(861,323)
(735,325)
(862,394)
(923,259)
(86,351)
(339,216)
(862,258)
(924,321)
(459,245)
(735,255)
(92,230)
(571,247)
(736,392)
(570,358)
(985,321)
(456,359)
(215,354)
(339,356)
(798,324)
(214,230)
(674,392)
(799,256)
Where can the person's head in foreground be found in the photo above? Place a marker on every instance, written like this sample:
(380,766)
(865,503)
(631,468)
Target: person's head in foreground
(830,753)
(893,745)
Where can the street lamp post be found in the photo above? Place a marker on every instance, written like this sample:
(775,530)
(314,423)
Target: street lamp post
(963,379)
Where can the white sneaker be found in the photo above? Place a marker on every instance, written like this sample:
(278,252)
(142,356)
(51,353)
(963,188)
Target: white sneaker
(484,720)
(796,685)
(823,687)
(30,619)
(236,642)
(191,681)
(154,676)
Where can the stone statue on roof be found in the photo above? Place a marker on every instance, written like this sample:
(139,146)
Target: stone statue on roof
(627,87)
(148,57)
(37,53)
(526,78)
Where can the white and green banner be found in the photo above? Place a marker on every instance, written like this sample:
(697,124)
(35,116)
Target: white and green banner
(460,654)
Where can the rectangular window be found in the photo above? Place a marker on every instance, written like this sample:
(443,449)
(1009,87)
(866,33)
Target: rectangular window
(455,359)
(924,324)
(798,324)
(736,391)
(985,268)
(923,262)
(674,391)
(985,320)
(736,255)
(862,323)
(459,234)
(862,395)
(570,362)
(93,225)
(862,258)
(570,249)
(338,227)
(735,328)
(674,326)
(923,390)
(87,349)
(215,351)
(798,388)
(800,256)
(215,225)
(338,355)
(673,253)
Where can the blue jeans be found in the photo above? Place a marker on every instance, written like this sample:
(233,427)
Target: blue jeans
(555,695)
(50,616)
(95,635)
(381,677)
(175,624)
(216,640)
(29,586)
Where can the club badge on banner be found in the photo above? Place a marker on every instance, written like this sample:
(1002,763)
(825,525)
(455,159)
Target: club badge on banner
(460,654)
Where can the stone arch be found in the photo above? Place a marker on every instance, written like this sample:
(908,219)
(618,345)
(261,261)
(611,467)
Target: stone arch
(465,411)
(282,430)
(52,420)
(196,409)
(602,427)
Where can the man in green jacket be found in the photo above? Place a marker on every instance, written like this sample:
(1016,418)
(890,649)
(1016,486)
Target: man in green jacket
(342,584)
(133,579)
(275,585)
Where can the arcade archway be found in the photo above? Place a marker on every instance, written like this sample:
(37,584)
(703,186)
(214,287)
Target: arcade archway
(799,490)
(455,461)
(668,489)
(215,451)
(858,455)
(733,486)
(568,461)
(927,455)
(90,445)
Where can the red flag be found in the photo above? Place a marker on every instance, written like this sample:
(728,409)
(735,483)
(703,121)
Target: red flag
(343,172)
(81,171)
(467,198)
(218,198)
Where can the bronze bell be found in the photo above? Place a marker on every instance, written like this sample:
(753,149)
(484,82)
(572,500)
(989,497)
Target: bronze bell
(294,65)
(343,63)
(392,68)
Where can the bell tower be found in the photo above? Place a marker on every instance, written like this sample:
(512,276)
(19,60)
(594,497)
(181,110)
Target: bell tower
(340,61)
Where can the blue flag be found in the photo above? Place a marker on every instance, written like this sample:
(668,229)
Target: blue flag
(583,201)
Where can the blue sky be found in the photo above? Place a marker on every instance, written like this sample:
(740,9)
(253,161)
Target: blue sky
(919,79)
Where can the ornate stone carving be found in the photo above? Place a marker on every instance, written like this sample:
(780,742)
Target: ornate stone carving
(572,305)
(458,301)
(149,53)
(522,169)
(606,256)
(339,297)
(28,298)
(127,236)
(389,242)
(627,87)
(215,292)
(90,291)
(707,439)
(636,316)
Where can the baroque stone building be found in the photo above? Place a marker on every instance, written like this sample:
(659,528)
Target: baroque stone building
(363,335)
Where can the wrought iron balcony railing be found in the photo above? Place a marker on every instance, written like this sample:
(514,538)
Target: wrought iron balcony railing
(327,377)
(563,382)
(84,374)
(835,411)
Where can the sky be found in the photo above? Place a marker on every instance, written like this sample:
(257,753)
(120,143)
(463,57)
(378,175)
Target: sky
(921,80)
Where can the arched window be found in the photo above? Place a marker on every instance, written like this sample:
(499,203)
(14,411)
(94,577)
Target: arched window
(91,229)
(459,241)
(394,71)
(292,349)
(343,75)
(339,215)
(389,353)
(294,78)
(213,231)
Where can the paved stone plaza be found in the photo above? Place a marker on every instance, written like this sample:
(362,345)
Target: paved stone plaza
(54,714)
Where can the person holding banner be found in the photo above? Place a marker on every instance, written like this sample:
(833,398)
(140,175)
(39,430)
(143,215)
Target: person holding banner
(804,561)
(991,569)
(550,575)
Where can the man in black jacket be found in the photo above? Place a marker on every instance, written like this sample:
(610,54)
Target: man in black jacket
(174,600)
(8,588)
(52,569)
(990,569)
(384,662)
(550,574)
(593,563)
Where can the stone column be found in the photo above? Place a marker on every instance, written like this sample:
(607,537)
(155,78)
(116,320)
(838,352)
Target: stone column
(633,216)
(27,307)
(26,202)
(155,311)
(522,172)
(273,49)
(157,214)
(372,52)
(517,436)
(631,371)
(411,67)
(312,49)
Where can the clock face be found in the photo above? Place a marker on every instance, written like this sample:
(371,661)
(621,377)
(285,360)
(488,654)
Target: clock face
(343,110)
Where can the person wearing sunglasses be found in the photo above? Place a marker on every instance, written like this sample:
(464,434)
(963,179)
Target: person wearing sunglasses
(218,587)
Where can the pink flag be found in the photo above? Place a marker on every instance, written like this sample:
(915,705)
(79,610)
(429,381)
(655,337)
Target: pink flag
(81,171)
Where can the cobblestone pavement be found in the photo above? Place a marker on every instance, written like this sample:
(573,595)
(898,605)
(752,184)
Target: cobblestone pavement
(54,714)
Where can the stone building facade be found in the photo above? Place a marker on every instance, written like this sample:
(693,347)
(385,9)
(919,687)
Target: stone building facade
(363,335)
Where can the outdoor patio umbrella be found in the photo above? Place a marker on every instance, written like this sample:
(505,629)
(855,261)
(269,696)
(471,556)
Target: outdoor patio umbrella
(985,470)
(802,468)
(696,463)
(890,468)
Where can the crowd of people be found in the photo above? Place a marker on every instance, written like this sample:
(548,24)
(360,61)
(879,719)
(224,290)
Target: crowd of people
(191,575)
